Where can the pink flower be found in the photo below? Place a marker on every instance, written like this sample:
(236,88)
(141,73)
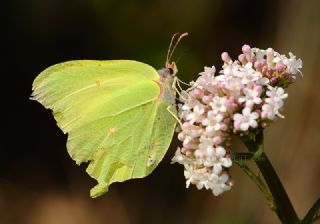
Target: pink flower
(243,97)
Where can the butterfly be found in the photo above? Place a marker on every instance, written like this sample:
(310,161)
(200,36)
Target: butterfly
(119,115)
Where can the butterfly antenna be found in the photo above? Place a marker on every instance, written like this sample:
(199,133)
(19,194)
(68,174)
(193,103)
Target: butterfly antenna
(171,42)
(174,44)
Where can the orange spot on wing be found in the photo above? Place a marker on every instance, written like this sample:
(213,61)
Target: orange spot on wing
(112,130)
(98,83)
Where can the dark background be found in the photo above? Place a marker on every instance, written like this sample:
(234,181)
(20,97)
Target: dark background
(39,183)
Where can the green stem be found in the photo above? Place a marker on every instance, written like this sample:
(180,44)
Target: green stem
(257,180)
(282,201)
(284,208)
(313,214)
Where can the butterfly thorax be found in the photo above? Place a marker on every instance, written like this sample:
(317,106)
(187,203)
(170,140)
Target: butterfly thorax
(165,72)
(166,84)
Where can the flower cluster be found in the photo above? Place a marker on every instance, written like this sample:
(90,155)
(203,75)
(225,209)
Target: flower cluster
(246,95)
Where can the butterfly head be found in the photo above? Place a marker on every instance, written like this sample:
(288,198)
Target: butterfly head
(171,68)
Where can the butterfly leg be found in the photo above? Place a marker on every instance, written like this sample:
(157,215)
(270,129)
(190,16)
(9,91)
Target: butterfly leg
(176,83)
(174,115)
(180,81)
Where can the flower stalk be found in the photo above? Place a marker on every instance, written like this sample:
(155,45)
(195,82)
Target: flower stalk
(241,162)
(313,214)
(282,204)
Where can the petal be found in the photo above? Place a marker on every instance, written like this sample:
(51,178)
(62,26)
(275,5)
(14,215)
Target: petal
(253,123)
(217,168)
(257,100)
(224,177)
(237,117)
(226,162)
(242,99)
(244,126)
(220,151)
(217,190)
(246,111)
(254,115)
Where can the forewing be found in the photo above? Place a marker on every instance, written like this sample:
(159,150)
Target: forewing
(80,92)
(113,115)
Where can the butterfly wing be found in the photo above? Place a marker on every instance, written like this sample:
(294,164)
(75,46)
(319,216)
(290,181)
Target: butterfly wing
(113,115)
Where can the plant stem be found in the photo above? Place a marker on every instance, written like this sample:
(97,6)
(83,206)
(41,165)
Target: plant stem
(284,208)
(313,214)
(258,181)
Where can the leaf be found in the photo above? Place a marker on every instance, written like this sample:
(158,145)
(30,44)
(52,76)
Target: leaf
(115,114)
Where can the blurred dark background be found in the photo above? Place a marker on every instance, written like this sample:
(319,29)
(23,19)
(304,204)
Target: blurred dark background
(40,184)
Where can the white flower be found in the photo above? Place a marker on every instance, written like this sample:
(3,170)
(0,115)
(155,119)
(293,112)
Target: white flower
(208,71)
(193,131)
(195,176)
(245,120)
(213,122)
(251,76)
(206,78)
(293,65)
(204,179)
(216,158)
(247,73)
(219,183)
(178,157)
(189,142)
(263,81)
(218,104)
(221,79)
(258,53)
(228,69)
(207,84)
(189,103)
(274,103)
(276,96)
(276,92)
(251,97)
(234,86)
(205,142)
(269,111)
(197,114)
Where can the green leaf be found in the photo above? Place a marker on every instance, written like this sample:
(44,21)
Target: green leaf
(115,114)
